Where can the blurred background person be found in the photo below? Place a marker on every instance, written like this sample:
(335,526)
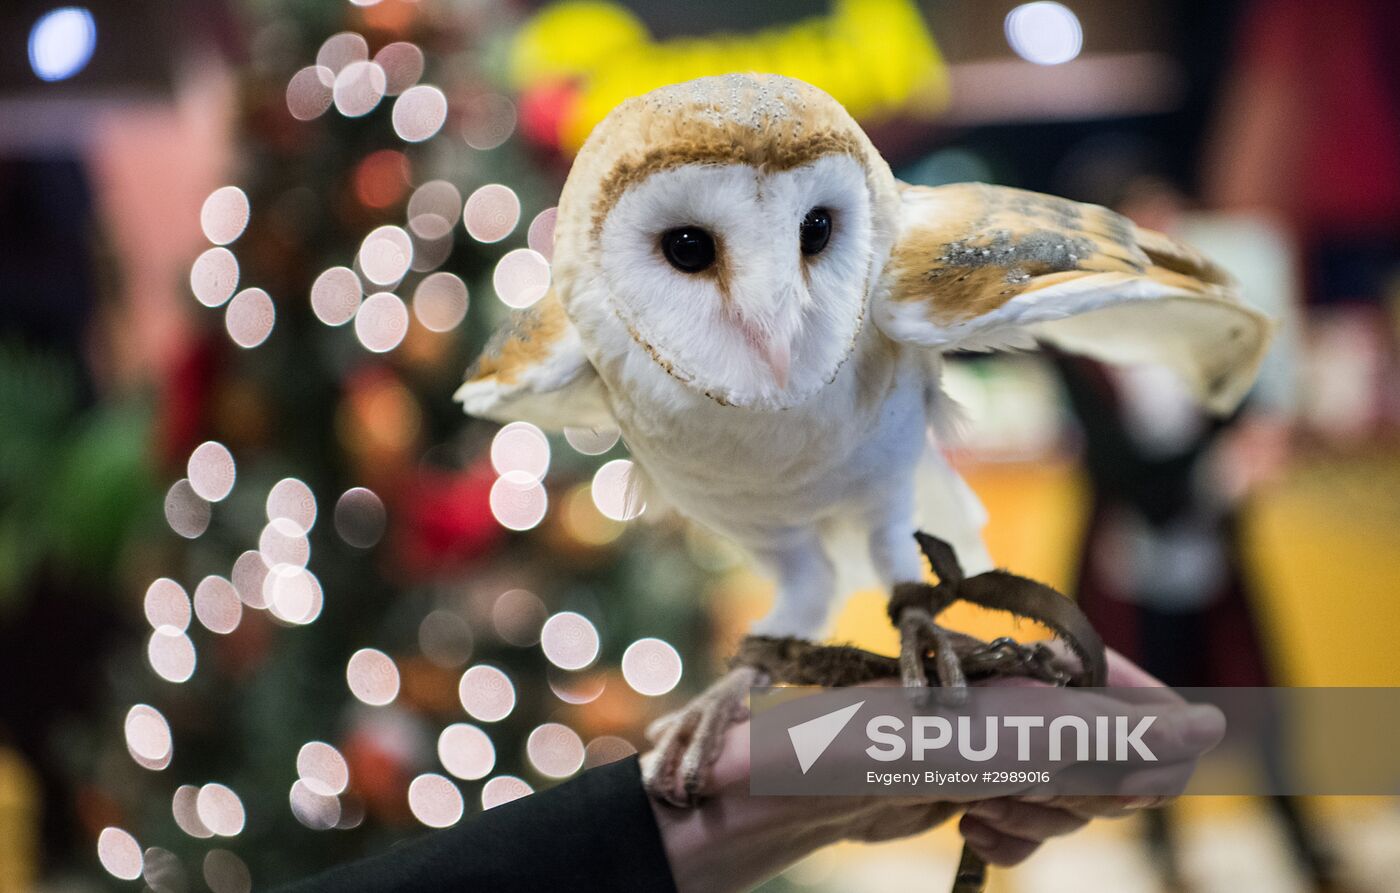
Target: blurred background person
(1165,572)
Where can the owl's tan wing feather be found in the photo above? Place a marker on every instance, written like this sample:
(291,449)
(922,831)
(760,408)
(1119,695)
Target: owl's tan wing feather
(534,369)
(981,267)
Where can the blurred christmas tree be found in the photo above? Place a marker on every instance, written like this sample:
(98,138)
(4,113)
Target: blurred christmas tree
(353,635)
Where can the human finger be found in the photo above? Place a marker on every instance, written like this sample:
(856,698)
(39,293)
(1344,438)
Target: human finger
(993,846)
(1029,821)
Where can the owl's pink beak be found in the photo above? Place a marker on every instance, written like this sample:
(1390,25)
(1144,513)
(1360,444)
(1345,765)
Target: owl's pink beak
(773,350)
(777,355)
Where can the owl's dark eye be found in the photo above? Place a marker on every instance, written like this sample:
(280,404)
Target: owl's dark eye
(689,249)
(815,231)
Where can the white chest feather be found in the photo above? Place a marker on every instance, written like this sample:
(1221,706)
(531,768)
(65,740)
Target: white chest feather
(757,475)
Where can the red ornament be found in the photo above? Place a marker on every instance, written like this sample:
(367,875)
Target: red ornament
(184,400)
(378,775)
(446,520)
(543,110)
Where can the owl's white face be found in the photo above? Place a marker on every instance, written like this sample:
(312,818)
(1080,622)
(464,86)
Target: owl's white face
(745,285)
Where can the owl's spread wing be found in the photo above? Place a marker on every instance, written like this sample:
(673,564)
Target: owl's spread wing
(981,267)
(533,369)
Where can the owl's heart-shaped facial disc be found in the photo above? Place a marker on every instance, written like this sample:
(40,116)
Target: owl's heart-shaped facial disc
(747,284)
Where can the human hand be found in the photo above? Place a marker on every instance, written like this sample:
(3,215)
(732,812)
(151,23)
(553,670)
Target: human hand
(733,840)
(1007,830)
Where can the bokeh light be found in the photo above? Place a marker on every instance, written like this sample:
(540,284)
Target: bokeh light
(62,42)
(148,737)
(166,604)
(335,296)
(613,492)
(521,278)
(283,542)
(520,447)
(309,92)
(382,322)
(445,638)
(440,302)
(214,277)
(120,854)
(382,178)
(360,517)
(339,50)
(651,666)
(225,872)
(486,693)
(185,512)
(518,615)
(373,677)
(488,119)
(429,254)
(606,749)
(183,808)
(466,751)
(171,654)
(555,750)
(583,522)
(352,813)
(503,789)
(220,809)
(403,66)
(419,113)
(322,768)
(292,499)
(319,812)
(540,236)
(435,800)
(385,255)
(249,576)
(224,215)
(358,88)
(217,605)
(591,442)
(293,594)
(163,871)
(518,501)
(491,213)
(1045,32)
(249,317)
(577,688)
(569,640)
(433,209)
(211,470)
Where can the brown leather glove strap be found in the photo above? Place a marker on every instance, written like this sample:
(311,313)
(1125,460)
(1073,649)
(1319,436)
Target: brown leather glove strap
(1003,591)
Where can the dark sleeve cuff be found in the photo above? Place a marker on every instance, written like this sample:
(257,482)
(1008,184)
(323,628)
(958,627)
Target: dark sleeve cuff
(596,832)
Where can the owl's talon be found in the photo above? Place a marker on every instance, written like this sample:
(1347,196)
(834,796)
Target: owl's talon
(913,645)
(951,677)
(918,636)
(687,741)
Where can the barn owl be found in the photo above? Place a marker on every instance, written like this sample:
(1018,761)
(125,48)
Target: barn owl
(742,288)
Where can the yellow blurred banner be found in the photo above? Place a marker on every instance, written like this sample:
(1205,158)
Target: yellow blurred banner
(575,61)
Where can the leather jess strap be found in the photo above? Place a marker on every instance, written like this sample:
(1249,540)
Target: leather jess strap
(1004,591)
